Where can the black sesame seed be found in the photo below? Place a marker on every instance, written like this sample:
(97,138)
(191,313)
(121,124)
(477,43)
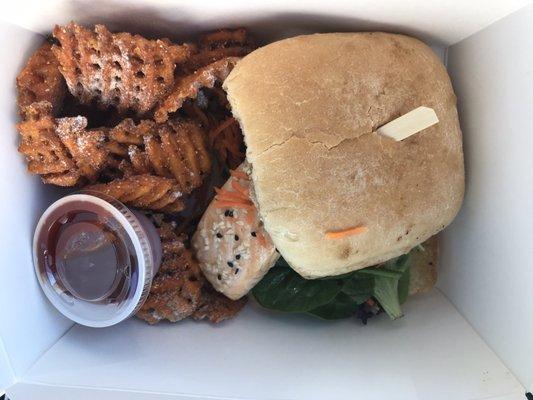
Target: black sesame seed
(236,271)
(254,234)
(230,264)
(238,257)
(226,213)
(219,235)
(236,237)
(230,213)
(219,277)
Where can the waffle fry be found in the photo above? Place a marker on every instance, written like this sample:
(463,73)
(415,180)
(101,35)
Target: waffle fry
(179,289)
(144,191)
(224,38)
(86,147)
(176,290)
(175,150)
(44,151)
(122,70)
(129,133)
(220,44)
(215,307)
(188,87)
(147,164)
(61,150)
(40,80)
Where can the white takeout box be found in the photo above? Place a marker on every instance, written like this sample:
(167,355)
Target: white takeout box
(470,338)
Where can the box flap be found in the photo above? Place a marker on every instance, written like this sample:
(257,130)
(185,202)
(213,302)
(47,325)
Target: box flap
(7,377)
(487,252)
(437,21)
(28,324)
(431,353)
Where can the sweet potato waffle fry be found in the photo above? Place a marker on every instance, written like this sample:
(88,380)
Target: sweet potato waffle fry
(179,289)
(178,151)
(66,153)
(215,307)
(40,80)
(188,87)
(220,44)
(74,97)
(86,147)
(144,191)
(122,70)
(175,149)
(61,150)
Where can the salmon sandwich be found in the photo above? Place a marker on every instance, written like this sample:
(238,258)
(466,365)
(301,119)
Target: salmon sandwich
(327,216)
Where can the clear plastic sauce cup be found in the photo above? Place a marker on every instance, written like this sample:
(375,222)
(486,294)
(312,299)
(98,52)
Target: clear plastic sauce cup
(95,258)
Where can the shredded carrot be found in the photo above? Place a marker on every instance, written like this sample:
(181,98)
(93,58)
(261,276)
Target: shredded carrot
(232,196)
(240,189)
(234,204)
(237,173)
(225,124)
(346,232)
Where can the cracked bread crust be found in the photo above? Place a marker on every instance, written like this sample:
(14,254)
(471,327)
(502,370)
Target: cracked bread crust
(309,107)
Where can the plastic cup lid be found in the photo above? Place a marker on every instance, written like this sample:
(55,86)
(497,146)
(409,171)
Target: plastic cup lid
(95,258)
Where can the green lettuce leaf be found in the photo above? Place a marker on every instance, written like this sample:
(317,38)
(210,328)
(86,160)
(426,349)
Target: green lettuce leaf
(386,293)
(342,306)
(336,297)
(283,289)
(360,288)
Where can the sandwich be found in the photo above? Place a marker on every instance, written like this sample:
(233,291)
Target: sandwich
(326,216)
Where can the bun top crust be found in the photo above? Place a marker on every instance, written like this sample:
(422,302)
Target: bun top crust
(309,107)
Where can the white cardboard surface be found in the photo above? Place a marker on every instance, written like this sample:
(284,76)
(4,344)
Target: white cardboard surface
(443,21)
(28,324)
(431,353)
(7,376)
(487,253)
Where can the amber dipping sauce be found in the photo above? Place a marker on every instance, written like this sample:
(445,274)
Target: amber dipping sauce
(95,258)
(90,257)
(87,253)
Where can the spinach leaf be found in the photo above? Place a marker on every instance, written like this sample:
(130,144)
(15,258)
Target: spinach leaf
(281,262)
(342,306)
(283,289)
(335,297)
(360,287)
